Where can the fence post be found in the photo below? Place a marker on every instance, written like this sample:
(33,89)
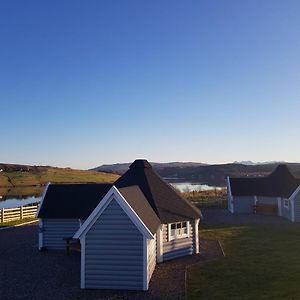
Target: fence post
(21,212)
(2,215)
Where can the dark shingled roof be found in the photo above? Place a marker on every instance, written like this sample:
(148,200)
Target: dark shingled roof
(71,201)
(280,183)
(77,201)
(166,202)
(140,205)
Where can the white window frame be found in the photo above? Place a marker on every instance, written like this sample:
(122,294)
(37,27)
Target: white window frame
(177,234)
(286,203)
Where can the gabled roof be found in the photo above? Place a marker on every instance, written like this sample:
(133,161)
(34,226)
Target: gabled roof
(71,201)
(142,220)
(280,183)
(162,197)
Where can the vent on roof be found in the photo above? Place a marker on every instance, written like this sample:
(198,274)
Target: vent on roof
(140,163)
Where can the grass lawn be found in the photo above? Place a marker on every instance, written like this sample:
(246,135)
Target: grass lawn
(262,262)
(54,175)
(7,224)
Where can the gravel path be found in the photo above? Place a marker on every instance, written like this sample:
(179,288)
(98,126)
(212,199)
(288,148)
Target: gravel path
(26,273)
(217,216)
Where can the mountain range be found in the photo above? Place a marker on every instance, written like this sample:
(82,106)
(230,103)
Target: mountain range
(214,175)
(210,174)
(252,163)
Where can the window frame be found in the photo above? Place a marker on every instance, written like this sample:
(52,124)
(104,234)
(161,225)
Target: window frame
(286,203)
(179,231)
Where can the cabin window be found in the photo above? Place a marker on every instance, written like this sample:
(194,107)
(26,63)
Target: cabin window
(178,230)
(286,203)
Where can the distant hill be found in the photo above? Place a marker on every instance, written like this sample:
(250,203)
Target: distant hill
(12,175)
(214,175)
(251,163)
(121,168)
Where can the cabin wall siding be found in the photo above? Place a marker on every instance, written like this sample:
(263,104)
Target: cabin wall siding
(114,252)
(286,211)
(297,207)
(151,257)
(179,247)
(243,204)
(267,200)
(54,230)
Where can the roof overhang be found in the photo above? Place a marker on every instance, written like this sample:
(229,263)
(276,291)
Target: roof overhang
(296,192)
(42,200)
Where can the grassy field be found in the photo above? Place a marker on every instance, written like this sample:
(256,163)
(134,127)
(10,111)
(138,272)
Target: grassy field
(262,262)
(217,197)
(206,195)
(54,175)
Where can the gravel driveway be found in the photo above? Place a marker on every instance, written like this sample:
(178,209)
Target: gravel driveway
(26,273)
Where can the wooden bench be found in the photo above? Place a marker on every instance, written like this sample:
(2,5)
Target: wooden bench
(72,244)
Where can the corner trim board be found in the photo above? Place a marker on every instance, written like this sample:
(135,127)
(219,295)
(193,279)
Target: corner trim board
(255,200)
(230,206)
(293,209)
(159,244)
(145,264)
(82,269)
(41,236)
(279,203)
(197,221)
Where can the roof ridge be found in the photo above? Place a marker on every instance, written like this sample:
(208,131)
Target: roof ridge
(165,201)
(151,192)
(128,173)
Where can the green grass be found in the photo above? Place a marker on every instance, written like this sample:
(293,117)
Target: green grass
(54,175)
(7,224)
(262,262)
(208,195)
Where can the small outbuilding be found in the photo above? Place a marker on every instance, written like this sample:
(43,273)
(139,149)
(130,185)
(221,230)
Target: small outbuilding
(277,194)
(63,209)
(126,230)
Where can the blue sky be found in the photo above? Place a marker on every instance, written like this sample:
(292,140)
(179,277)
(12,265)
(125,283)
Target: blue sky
(93,82)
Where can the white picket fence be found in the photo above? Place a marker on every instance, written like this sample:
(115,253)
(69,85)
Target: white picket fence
(18,213)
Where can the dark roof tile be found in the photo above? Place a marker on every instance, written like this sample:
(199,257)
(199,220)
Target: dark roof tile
(72,201)
(136,199)
(280,183)
(162,197)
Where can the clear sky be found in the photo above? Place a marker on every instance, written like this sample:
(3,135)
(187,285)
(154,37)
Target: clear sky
(84,83)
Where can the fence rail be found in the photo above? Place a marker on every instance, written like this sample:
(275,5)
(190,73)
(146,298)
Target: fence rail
(18,213)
